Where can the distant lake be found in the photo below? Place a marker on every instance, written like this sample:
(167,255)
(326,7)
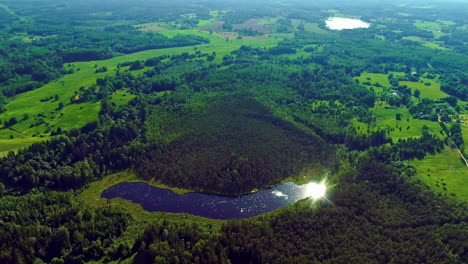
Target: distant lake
(340,23)
(208,205)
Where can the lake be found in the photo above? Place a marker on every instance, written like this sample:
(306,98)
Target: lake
(214,206)
(340,23)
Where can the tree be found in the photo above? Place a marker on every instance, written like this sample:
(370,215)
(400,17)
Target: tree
(451,100)
(455,128)
(11,122)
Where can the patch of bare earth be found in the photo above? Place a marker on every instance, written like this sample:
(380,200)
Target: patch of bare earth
(152,28)
(253,25)
(256,37)
(214,26)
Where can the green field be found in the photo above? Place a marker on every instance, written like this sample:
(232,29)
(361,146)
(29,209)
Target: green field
(429,44)
(45,116)
(121,97)
(374,78)
(309,27)
(410,127)
(201,23)
(434,27)
(7,145)
(444,173)
(314,28)
(377,78)
(432,92)
(427,25)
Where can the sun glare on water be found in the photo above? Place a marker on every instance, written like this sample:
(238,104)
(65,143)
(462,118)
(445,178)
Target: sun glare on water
(315,190)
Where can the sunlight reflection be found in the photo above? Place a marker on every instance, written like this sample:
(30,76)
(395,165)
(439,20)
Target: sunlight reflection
(315,190)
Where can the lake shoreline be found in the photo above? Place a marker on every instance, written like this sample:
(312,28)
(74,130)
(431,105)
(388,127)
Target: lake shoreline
(155,199)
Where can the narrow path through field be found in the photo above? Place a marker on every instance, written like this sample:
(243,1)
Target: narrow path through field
(463,157)
(459,151)
(17,132)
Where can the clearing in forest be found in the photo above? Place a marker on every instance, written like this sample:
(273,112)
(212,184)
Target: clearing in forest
(377,81)
(252,24)
(429,88)
(152,28)
(213,26)
(45,116)
(406,127)
(429,44)
(444,173)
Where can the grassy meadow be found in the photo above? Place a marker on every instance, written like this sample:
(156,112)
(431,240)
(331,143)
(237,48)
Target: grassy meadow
(444,172)
(379,80)
(7,145)
(407,127)
(432,91)
(434,27)
(429,44)
(46,116)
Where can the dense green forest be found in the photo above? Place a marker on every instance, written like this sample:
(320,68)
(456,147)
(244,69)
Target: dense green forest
(226,98)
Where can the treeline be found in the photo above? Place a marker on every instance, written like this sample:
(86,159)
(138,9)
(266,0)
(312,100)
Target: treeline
(113,41)
(27,66)
(178,243)
(77,157)
(49,227)
(89,14)
(240,16)
(164,75)
(24,67)
(456,85)
(411,148)
(331,84)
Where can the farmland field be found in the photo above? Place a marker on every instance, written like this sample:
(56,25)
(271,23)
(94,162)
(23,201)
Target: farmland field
(431,91)
(377,80)
(7,145)
(252,24)
(434,27)
(407,127)
(46,116)
(102,101)
(444,172)
(429,44)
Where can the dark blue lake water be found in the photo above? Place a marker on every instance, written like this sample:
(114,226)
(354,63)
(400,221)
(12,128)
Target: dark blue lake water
(208,205)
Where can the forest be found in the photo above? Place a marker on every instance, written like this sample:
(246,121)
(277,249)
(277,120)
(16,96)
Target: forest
(229,98)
